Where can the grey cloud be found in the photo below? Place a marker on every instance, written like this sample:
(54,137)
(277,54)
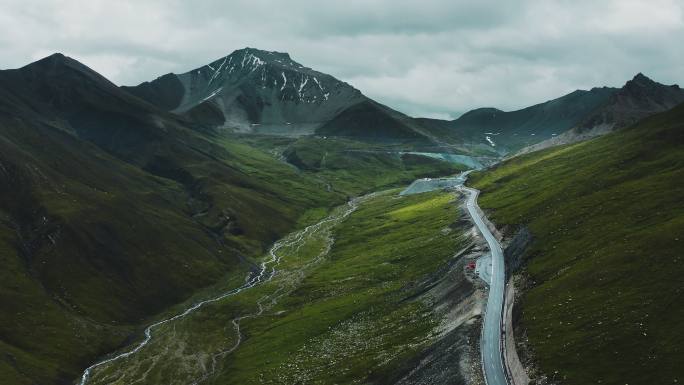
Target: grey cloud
(431,57)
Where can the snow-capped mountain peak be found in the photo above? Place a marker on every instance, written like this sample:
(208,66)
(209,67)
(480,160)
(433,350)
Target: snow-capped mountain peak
(255,87)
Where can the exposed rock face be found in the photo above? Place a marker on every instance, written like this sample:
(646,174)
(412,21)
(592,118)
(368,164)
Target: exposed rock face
(513,257)
(516,371)
(515,248)
(637,99)
(453,357)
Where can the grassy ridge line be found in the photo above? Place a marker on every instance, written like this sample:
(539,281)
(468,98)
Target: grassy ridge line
(603,301)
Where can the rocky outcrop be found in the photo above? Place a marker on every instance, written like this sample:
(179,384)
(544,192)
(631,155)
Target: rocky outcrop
(639,98)
(515,249)
(516,371)
(453,357)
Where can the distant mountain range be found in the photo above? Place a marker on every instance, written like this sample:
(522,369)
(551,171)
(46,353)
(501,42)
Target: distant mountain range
(255,91)
(576,116)
(637,99)
(515,129)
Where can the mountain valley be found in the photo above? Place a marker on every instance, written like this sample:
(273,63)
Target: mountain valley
(247,222)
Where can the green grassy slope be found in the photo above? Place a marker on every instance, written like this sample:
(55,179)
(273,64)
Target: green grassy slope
(91,246)
(354,319)
(128,243)
(353,315)
(79,239)
(604,301)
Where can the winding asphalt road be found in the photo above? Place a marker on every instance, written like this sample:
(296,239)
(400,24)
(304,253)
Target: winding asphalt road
(490,346)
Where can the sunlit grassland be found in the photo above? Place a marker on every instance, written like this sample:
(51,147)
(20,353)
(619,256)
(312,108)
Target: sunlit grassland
(339,316)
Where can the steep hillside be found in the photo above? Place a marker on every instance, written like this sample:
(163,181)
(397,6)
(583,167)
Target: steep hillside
(602,299)
(112,210)
(62,92)
(89,246)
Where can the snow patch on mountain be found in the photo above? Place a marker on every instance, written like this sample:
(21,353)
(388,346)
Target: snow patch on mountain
(284,81)
(218,71)
(302,85)
(213,94)
(252,62)
(319,84)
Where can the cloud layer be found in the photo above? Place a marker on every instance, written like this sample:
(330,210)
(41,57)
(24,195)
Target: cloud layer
(435,58)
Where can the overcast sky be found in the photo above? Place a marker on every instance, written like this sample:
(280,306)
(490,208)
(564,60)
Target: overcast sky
(435,58)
